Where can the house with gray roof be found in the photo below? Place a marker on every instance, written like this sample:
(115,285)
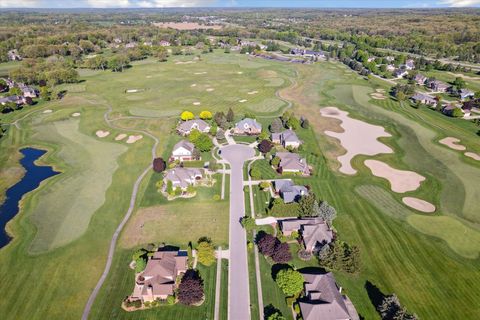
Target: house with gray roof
(400,73)
(324,300)
(439,86)
(288,190)
(183,177)
(424,99)
(420,79)
(28,91)
(465,93)
(315,231)
(18,100)
(287,138)
(183,151)
(185,127)
(292,162)
(157,281)
(247,126)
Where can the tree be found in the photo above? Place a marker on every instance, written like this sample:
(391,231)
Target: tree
(305,123)
(205,115)
(206,253)
(15,91)
(169,188)
(248,223)
(272,313)
(307,204)
(203,143)
(275,161)
(281,253)
(391,309)
(161,54)
(230,115)
(213,129)
(265,146)
(220,135)
(289,281)
(140,264)
(190,289)
(276,126)
(196,154)
(255,172)
(263,135)
(159,165)
(220,119)
(293,123)
(45,93)
(194,135)
(264,185)
(459,83)
(266,243)
(187,115)
(340,256)
(139,254)
(457,113)
(326,212)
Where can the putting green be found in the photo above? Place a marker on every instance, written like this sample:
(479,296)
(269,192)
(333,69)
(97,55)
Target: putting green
(63,208)
(462,239)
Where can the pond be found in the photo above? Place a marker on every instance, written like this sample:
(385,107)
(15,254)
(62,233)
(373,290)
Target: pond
(34,175)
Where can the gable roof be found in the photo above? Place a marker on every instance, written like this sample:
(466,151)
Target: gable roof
(319,233)
(292,161)
(323,299)
(288,190)
(290,136)
(248,123)
(182,177)
(296,224)
(423,97)
(184,144)
(189,125)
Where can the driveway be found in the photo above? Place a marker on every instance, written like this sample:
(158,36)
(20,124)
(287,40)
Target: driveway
(238,291)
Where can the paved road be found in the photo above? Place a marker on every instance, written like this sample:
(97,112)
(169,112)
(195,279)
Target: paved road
(238,289)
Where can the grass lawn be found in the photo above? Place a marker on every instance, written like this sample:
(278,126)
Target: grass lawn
(224,291)
(120,284)
(265,169)
(261,200)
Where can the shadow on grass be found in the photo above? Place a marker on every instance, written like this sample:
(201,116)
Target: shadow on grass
(376,296)
(276,268)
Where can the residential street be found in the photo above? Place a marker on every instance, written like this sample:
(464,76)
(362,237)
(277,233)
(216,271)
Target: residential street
(238,288)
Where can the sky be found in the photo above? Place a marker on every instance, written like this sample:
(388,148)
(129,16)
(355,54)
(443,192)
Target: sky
(238,3)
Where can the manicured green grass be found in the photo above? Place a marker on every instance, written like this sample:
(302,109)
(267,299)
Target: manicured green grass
(261,200)
(266,170)
(224,291)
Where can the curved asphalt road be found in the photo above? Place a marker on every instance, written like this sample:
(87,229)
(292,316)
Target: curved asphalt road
(238,289)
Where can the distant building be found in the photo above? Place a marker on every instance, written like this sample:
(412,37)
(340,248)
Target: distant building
(324,300)
(424,99)
(131,45)
(465,94)
(390,67)
(288,138)
(183,177)
(157,281)
(450,107)
(438,86)
(183,151)
(292,162)
(420,79)
(18,100)
(13,55)
(185,127)
(247,126)
(410,64)
(288,191)
(29,92)
(400,73)
(307,53)
(165,43)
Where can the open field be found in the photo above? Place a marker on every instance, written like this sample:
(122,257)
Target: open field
(402,251)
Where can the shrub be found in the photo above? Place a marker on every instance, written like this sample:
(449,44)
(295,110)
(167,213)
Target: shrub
(266,243)
(216,197)
(190,289)
(265,146)
(140,264)
(206,253)
(134,303)
(205,115)
(248,223)
(178,191)
(264,185)
(187,115)
(171,300)
(255,172)
(289,281)
(281,253)
(159,165)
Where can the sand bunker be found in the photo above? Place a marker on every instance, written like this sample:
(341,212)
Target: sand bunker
(378,96)
(197,73)
(358,138)
(243,100)
(252,92)
(400,181)
(102,134)
(184,62)
(452,143)
(380,90)
(121,136)
(193,85)
(239,72)
(76,114)
(419,204)
(132,90)
(210,89)
(148,77)
(133,139)
(472,155)
(196,103)
(48,111)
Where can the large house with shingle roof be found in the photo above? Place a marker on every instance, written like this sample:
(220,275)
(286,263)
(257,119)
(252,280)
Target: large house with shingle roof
(185,127)
(287,138)
(439,86)
(18,100)
(423,98)
(247,126)
(288,190)
(315,231)
(183,177)
(324,300)
(292,162)
(157,281)
(183,151)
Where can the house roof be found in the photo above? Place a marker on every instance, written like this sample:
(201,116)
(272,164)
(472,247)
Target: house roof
(292,161)
(184,144)
(182,177)
(420,77)
(10,99)
(189,125)
(323,299)
(422,96)
(296,224)
(319,233)
(248,123)
(290,136)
